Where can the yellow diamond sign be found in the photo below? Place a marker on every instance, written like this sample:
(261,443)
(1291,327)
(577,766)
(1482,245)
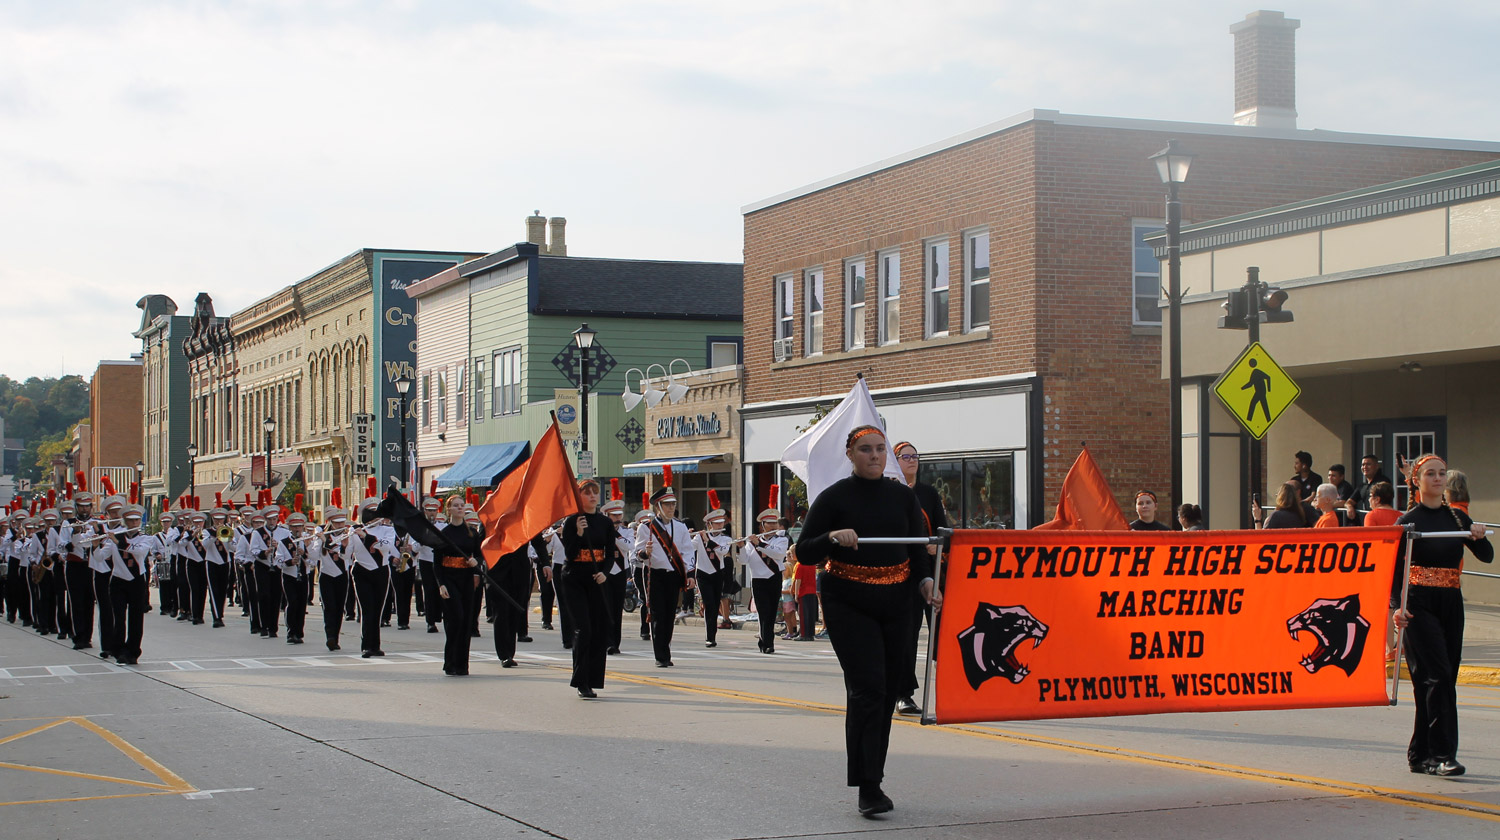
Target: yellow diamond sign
(1256,390)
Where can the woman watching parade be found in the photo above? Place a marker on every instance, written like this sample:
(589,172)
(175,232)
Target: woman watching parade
(1434,616)
(588,540)
(1145,513)
(867,596)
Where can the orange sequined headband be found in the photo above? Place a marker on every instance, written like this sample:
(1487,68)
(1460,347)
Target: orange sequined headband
(1146,493)
(1416,469)
(862,432)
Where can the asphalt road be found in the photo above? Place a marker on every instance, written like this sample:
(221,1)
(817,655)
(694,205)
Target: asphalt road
(221,731)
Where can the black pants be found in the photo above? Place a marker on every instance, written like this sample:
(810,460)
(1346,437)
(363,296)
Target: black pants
(665,593)
(63,624)
(44,604)
(17,591)
(870,628)
(807,615)
(294,589)
(549,596)
(432,605)
(218,588)
(640,591)
(1434,643)
(585,604)
(131,600)
(109,641)
(920,610)
(80,582)
(333,589)
(250,594)
(513,577)
(371,586)
(197,584)
(614,604)
(456,618)
(268,592)
(709,588)
(401,589)
(167,589)
(767,594)
(182,591)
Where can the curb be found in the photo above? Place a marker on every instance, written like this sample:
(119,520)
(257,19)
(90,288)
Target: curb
(1467,675)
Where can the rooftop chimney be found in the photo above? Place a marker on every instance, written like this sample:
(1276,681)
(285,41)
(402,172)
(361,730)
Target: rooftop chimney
(536,230)
(557,230)
(1265,71)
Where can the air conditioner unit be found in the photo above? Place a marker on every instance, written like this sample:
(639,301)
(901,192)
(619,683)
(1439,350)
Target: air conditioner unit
(781,349)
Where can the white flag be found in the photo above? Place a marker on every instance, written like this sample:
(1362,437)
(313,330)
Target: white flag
(817,456)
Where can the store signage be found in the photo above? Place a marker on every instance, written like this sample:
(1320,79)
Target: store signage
(683,426)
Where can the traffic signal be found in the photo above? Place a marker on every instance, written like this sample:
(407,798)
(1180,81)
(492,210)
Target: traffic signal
(1236,311)
(1271,311)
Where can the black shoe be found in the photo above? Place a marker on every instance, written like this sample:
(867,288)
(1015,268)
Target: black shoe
(272,635)
(183,617)
(546,625)
(133,661)
(294,641)
(710,643)
(874,803)
(507,663)
(567,645)
(614,651)
(333,646)
(432,628)
(83,646)
(403,627)
(645,637)
(661,664)
(1445,767)
(62,635)
(385,624)
(197,621)
(907,707)
(526,639)
(218,622)
(587,693)
(1420,766)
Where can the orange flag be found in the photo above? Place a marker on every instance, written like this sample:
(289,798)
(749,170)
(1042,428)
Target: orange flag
(1086,503)
(535,495)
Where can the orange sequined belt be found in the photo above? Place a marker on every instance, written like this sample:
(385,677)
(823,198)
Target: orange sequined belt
(590,555)
(871,574)
(454,562)
(1429,576)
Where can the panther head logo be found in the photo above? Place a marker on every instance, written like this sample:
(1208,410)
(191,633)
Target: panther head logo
(1339,629)
(989,646)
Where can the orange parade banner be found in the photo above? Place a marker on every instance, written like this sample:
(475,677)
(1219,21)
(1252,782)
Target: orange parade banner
(1064,624)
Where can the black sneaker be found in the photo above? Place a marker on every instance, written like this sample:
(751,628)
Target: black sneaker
(874,802)
(907,707)
(1445,767)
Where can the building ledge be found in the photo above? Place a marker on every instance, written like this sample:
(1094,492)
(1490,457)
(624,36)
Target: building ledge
(884,350)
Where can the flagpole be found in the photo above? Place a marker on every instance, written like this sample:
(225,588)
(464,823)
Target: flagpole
(929,714)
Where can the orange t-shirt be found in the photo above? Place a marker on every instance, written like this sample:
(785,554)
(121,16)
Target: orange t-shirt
(1381,516)
(1328,520)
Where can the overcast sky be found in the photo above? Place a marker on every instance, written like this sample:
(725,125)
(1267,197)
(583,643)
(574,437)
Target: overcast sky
(237,147)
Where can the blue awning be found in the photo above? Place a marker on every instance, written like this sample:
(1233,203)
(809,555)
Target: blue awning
(484,464)
(652,466)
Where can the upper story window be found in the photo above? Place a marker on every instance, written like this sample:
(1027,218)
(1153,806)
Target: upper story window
(442,398)
(813,329)
(888,277)
(1146,277)
(786,314)
(460,394)
(976,280)
(854,304)
(426,400)
(935,268)
(478,387)
(507,391)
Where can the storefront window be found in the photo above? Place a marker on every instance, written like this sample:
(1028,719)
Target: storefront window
(976,492)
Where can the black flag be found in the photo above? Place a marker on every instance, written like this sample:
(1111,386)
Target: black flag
(411,522)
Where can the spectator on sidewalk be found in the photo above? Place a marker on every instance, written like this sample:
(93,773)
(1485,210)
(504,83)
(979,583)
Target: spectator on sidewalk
(805,594)
(1289,512)
(1190,517)
(1307,480)
(1328,505)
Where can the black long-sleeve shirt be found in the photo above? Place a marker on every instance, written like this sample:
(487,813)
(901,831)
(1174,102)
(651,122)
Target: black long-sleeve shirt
(599,536)
(878,507)
(1445,553)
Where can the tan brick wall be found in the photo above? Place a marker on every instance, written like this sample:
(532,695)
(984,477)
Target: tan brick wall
(115,411)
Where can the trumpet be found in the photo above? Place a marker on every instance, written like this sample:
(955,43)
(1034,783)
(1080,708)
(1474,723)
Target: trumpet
(405,561)
(224,533)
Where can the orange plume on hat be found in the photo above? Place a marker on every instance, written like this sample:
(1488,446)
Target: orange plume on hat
(337,499)
(33,505)
(68,490)
(713,500)
(166,504)
(297,503)
(370,485)
(218,498)
(197,503)
(135,492)
(51,497)
(645,499)
(247,500)
(81,482)
(614,490)
(432,489)
(774,496)
(666,475)
(109,486)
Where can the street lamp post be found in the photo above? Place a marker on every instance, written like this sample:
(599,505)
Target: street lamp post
(1172,165)
(192,453)
(270,426)
(403,387)
(584,338)
(140,472)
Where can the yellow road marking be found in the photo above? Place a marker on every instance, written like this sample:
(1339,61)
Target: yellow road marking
(1396,796)
(167,781)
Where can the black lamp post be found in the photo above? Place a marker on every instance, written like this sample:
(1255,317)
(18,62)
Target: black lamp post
(1172,165)
(403,387)
(584,338)
(192,453)
(270,426)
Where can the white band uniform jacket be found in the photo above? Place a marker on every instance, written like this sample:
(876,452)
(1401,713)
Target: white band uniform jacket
(721,545)
(775,549)
(384,548)
(327,561)
(645,540)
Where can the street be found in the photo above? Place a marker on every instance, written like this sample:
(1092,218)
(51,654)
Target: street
(222,731)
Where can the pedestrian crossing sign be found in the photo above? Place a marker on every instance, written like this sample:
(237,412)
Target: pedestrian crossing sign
(1256,390)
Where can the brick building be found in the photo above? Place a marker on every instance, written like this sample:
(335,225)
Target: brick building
(165,403)
(115,412)
(996,291)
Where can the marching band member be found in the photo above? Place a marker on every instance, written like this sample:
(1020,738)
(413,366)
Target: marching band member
(455,587)
(619,571)
(764,554)
(328,553)
(101,562)
(17,577)
(167,534)
(666,549)
(558,557)
(244,564)
(188,563)
(403,582)
(43,599)
(130,573)
(77,576)
(588,539)
(293,573)
(371,546)
(63,620)
(432,606)
(217,544)
(637,567)
(711,549)
(512,575)
(269,553)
